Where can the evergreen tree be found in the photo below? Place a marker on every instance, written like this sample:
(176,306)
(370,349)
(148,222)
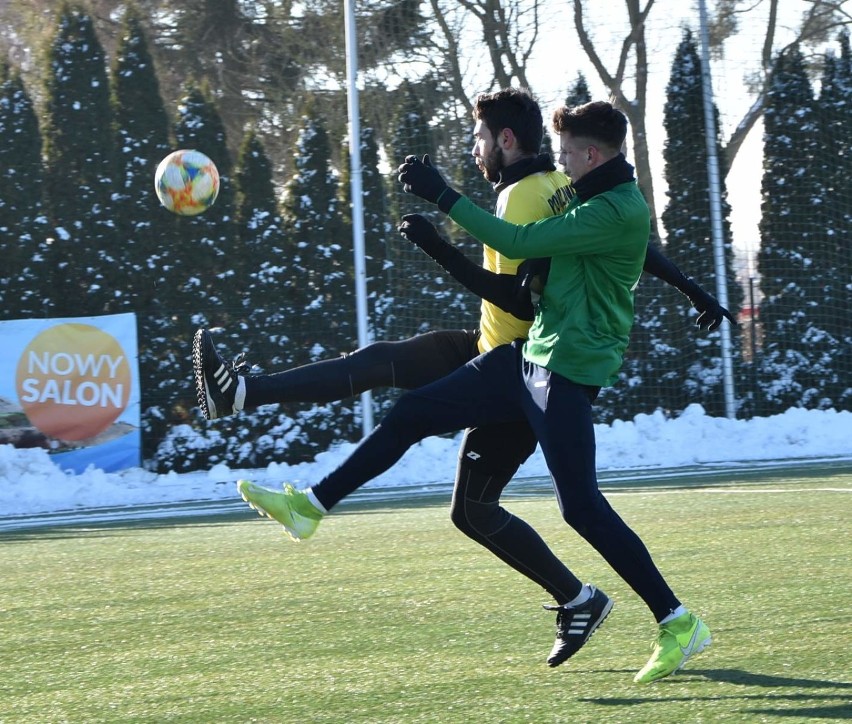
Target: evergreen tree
(833,256)
(795,357)
(263,284)
(322,271)
(80,172)
(142,131)
(323,262)
(377,227)
(413,280)
(23,282)
(578,92)
(147,231)
(692,360)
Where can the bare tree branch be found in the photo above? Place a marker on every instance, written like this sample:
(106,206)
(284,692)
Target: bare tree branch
(769,38)
(453,59)
(633,45)
(510,29)
(821,18)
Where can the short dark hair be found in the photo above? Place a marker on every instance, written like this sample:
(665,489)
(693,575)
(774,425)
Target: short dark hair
(513,108)
(597,120)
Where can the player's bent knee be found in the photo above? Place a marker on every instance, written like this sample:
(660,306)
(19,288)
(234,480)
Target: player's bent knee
(585,516)
(476,519)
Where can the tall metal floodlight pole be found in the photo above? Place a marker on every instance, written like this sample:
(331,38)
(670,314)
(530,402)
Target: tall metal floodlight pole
(357,200)
(716,227)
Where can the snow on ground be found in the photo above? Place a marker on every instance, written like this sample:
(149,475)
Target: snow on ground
(30,483)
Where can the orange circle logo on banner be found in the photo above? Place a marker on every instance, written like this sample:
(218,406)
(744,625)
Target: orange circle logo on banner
(73,381)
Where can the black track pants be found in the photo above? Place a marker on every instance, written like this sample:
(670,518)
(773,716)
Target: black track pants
(501,387)
(489,458)
(407,364)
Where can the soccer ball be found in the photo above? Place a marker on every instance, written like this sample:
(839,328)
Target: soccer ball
(186,182)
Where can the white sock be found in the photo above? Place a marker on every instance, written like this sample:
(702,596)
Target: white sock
(679,611)
(240,394)
(315,501)
(584,595)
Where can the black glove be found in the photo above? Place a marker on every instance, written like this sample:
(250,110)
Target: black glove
(421,178)
(421,232)
(710,312)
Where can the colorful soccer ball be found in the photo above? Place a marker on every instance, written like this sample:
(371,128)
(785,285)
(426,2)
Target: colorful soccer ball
(186,182)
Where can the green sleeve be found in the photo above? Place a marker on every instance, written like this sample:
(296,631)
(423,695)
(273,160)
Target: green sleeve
(583,229)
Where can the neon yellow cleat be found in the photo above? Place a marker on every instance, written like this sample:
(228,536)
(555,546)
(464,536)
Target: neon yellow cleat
(676,642)
(289,506)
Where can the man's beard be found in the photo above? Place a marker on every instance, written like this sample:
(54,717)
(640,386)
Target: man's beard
(492,166)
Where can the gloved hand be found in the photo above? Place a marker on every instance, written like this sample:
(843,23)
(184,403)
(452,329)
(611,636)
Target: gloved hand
(421,232)
(421,178)
(710,312)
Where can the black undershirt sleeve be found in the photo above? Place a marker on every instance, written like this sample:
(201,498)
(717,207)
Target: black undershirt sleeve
(660,266)
(499,289)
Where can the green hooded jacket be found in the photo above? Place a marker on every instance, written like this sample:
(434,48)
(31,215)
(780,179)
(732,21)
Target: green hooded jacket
(582,324)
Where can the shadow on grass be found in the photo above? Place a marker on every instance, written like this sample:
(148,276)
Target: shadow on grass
(747,678)
(821,708)
(841,711)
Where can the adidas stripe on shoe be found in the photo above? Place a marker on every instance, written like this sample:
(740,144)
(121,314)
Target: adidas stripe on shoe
(218,383)
(575,624)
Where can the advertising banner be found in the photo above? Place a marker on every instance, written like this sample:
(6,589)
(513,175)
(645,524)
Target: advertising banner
(71,386)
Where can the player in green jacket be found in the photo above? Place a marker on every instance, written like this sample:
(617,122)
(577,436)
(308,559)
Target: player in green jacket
(575,346)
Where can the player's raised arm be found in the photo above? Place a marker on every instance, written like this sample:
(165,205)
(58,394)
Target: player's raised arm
(503,290)
(710,312)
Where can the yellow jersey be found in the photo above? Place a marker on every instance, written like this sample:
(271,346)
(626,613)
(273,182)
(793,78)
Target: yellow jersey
(531,198)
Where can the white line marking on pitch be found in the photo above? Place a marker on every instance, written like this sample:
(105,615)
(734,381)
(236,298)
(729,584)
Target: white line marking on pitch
(726,490)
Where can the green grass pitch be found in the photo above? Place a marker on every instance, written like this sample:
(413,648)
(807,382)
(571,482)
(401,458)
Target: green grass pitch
(390,615)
